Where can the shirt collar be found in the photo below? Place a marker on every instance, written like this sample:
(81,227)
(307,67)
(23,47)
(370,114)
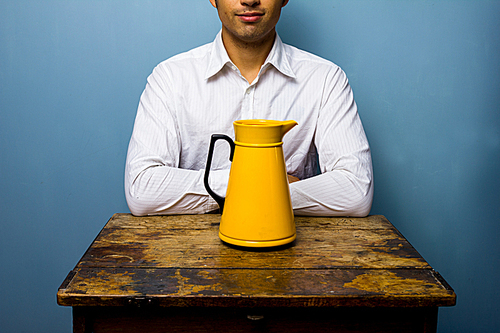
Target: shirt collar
(219,58)
(278,58)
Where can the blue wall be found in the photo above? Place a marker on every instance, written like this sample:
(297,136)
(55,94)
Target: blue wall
(426,77)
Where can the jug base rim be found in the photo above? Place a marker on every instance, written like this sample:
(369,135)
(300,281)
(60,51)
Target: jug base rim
(262,243)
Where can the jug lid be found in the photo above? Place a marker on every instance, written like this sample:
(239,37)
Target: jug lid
(261,131)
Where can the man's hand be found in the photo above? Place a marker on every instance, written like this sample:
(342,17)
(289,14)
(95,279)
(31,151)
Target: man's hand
(292,179)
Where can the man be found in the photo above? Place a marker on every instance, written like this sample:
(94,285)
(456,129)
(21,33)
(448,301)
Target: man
(246,73)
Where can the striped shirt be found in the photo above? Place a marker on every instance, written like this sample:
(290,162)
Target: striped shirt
(195,94)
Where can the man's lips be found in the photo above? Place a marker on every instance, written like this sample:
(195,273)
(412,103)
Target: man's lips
(250,16)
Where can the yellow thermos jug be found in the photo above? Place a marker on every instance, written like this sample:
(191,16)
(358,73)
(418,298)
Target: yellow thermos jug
(257,210)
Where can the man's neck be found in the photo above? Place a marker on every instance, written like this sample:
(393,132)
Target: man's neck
(247,56)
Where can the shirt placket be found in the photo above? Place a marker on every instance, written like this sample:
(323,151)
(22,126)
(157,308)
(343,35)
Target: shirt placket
(247,105)
(247,111)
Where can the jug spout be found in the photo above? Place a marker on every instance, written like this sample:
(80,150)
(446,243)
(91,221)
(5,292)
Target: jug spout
(261,131)
(287,125)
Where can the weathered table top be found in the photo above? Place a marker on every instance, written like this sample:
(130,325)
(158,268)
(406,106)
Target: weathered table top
(180,261)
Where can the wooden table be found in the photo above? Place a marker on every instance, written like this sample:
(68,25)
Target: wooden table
(173,274)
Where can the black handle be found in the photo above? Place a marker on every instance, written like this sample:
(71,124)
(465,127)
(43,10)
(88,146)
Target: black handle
(220,200)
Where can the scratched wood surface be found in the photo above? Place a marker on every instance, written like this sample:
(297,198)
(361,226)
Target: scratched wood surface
(180,261)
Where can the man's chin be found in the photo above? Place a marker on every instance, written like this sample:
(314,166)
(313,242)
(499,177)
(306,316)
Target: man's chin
(254,36)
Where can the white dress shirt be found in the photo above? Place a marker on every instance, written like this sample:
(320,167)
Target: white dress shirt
(196,94)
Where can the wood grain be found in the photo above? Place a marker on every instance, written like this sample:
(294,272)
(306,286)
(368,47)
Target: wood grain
(180,261)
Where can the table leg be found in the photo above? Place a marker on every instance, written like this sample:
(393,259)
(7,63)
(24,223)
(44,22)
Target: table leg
(82,320)
(431,320)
